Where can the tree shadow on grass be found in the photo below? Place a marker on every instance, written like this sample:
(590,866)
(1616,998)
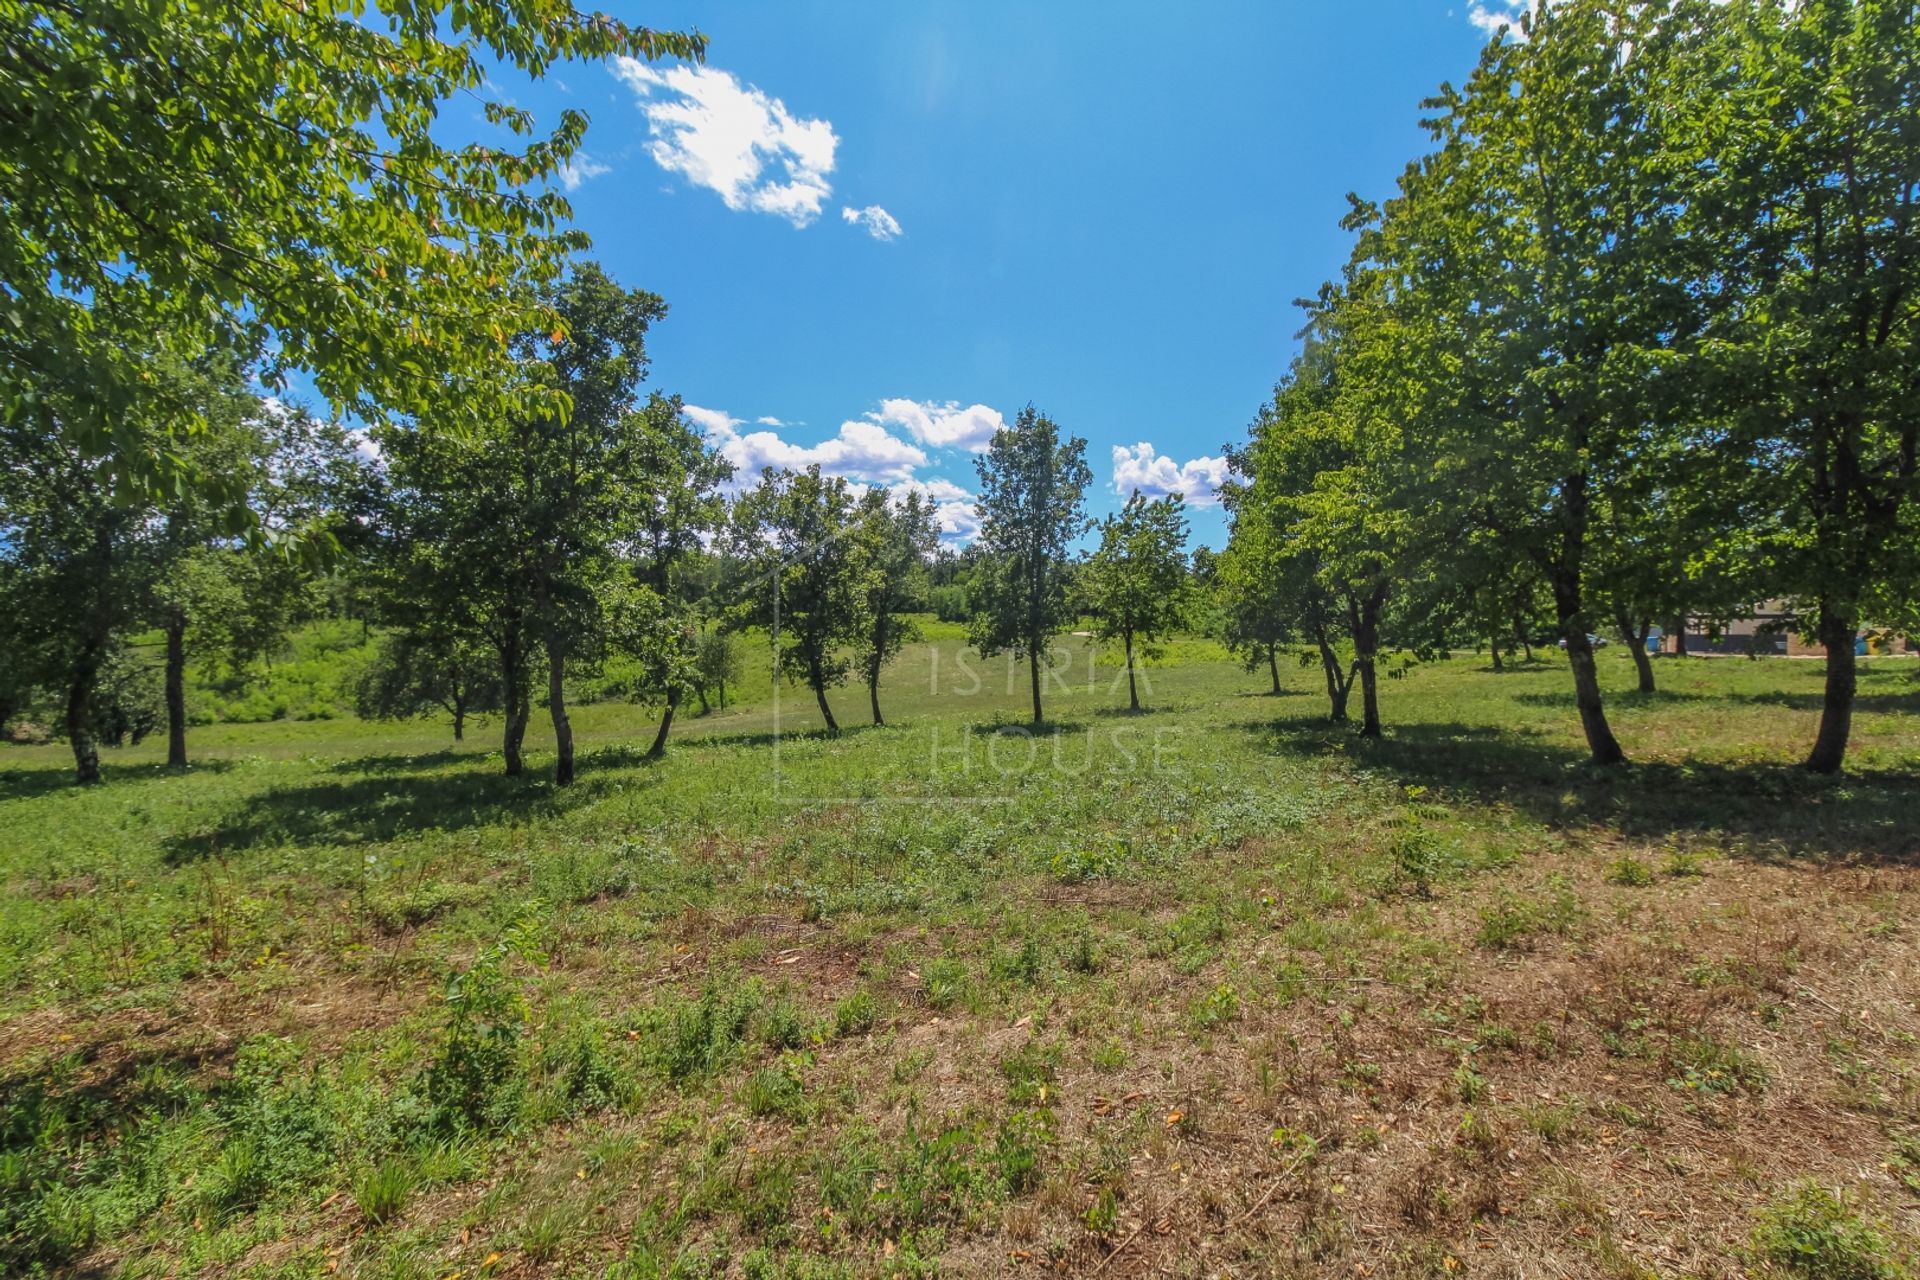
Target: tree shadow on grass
(378,808)
(1758,810)
(18,784)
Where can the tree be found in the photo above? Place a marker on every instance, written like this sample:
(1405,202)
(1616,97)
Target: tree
(82,570)
(256,176)
(1032,487)
(717,663)
(581,470)
(1807,215)
(796,535)
(517,535)
(1257,620)
(1534,273)
(418,671)
(897,539)
(1136,580)
(679,504)
(215,593)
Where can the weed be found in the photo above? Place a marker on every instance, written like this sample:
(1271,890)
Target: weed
(383,1190)
(1704,1065)
(1629,871)
(546,1232)
(1812,1233)
(1103,1215)
(1216,1008)
(476,1076)
(943,983)
(1513,922)
(776,1091)
(704,1035)
(856,1015)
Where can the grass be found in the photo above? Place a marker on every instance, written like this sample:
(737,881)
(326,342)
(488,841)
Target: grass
(954,996)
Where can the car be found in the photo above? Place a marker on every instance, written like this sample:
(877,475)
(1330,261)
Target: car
(1593,641)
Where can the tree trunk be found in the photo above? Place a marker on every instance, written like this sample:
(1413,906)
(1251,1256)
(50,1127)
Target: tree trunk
(1680,636)
(873,694)
(1836,709)
(1337,682)
(1273,668)
(1366,644)
(700,691)
(659,747)
(1603,747)
(1133,692)
(1033,673)
(86,752)
(176,690)
(557,708)
(1636,640)
(1493,643)
(514,730)
(459,717)
(826,712)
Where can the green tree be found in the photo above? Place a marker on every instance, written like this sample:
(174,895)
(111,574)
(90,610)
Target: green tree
(417,671)
(1536,278)
(897,539)
(1136,579)
(258,176)
(1032,490)
(1806,221)
(805,579)
(516,534)
(677,506)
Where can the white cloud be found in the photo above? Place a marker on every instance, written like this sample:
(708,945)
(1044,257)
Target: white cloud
(1491,15)
(879,224)
(861,450)
(953,506)
(579,169)
(942,426)
(733,139)
(767,420)
(1157,475)
(715,422)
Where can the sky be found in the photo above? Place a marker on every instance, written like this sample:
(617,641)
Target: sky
(883,229)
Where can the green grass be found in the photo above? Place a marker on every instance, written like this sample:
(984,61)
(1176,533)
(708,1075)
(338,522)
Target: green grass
(865,1003)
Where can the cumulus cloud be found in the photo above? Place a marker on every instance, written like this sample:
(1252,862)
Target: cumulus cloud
(1157,475)
(879,224)
(1491,15)
(580,169)
(861,450)
(734,139)
(942,426)
(953,506)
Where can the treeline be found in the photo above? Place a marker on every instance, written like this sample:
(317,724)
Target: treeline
(503,562)
(1636,341)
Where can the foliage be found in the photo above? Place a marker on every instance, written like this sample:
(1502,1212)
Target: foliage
(1032,489)
(1136,581)
(267,177)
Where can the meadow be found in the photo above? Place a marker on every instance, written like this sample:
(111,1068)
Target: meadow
(1218,988)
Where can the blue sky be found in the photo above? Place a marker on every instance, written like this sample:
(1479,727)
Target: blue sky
(880,228)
